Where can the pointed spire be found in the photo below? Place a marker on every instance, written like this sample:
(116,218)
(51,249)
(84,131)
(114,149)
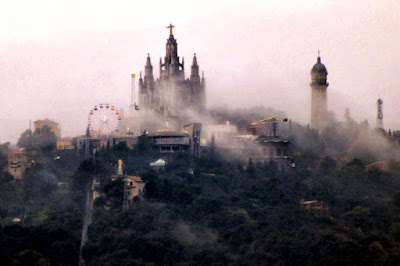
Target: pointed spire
(194,75)
(148,70)
(194,60)
(140,74)
(148,62)
(319,57)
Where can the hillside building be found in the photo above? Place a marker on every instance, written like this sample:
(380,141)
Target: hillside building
(223,134)
(17,164)
(54,126)
(165,141)
(134,186)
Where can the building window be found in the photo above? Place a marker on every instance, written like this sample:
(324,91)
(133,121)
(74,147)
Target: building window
(271,152)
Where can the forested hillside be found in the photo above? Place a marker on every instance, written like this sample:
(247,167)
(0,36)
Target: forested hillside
(212,210)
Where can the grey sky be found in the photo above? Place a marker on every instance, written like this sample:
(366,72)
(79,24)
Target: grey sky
(60,58)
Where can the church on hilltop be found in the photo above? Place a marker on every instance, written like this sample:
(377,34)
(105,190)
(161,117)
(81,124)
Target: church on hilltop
(172,95)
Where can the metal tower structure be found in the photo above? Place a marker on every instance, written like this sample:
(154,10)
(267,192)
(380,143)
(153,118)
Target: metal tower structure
(133,105)
(134,109)
(379,114)
(256,126)
(121,173)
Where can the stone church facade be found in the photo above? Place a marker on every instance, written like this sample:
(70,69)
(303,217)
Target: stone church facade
(172,95)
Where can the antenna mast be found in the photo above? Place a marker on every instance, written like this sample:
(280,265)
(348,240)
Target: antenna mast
(379,115)
(133,96)
(132,108)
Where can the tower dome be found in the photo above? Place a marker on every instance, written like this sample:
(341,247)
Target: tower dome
(319,67)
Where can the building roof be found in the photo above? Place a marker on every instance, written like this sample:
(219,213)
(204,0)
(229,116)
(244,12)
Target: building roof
(134,178)
(269,139)
(16,153)
(159,162)
(310,202)
(319,67)
(380,164)
(167,133)
(247,137)
(48,121)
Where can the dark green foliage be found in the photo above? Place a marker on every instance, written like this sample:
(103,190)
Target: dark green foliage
(3,155)
(144,146)
(250,168)
(114,192)
(87,134)
(150,190)
(88,170)
(43,139)
(121,147)
(224,212)
(30,257)
(10,196)
(25,140)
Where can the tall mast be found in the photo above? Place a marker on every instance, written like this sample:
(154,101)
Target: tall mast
(379,114)
(134,107)
(133,96)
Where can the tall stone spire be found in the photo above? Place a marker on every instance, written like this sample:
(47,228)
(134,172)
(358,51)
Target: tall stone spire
(140,79)
(148,70)
(171,47)
(172,63)
(194,75)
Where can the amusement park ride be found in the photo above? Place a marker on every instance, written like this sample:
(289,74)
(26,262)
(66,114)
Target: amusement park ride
(256,127)
(134,111)
(104,118)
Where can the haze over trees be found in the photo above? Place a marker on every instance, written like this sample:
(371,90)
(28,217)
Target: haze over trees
(211,210)
(42,139)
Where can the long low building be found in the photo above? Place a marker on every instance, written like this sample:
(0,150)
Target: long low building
(166,141)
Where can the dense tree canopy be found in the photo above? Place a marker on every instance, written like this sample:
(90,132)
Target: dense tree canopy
(211,210)
(42,139)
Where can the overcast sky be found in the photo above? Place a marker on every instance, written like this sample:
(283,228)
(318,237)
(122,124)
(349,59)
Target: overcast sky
(60,58)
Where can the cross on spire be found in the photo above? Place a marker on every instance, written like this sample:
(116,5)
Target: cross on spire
(170,27)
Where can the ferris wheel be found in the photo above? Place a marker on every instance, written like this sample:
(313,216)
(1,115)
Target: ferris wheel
(103,120)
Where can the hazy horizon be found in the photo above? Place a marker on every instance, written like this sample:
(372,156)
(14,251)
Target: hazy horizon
(59,59)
